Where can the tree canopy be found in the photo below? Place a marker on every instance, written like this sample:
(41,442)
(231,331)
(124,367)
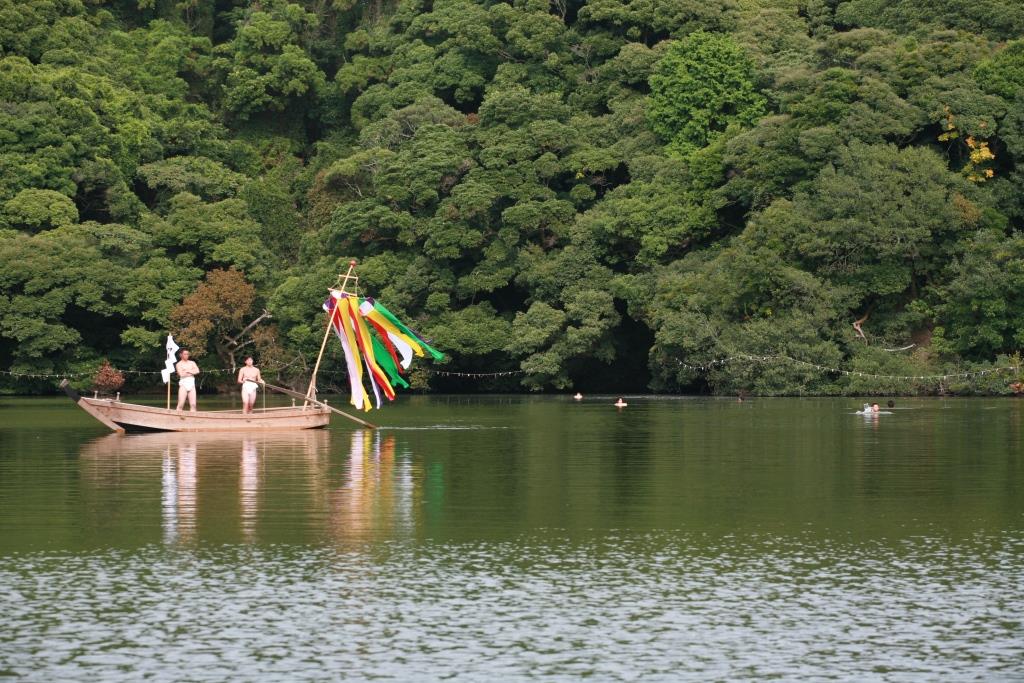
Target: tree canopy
(595,194)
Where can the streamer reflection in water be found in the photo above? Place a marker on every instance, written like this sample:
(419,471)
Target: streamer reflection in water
(378,492)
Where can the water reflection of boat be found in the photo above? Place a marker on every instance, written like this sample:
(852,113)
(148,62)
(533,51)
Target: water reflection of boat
(255,487)
(212,443)
(192,468)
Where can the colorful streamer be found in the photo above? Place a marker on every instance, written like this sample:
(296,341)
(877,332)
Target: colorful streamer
(343,329)
(389,316)
(373,338)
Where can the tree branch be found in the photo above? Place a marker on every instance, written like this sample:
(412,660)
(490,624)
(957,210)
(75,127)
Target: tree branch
(232,342)
(858,323)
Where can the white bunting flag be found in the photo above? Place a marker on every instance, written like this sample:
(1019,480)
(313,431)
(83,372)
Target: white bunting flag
(172,349)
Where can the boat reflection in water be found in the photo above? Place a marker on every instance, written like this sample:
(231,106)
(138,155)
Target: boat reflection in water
(261,487)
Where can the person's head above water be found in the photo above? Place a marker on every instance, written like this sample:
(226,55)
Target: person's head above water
(891,403)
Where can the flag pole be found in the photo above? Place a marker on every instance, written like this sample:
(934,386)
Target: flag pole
(311,391)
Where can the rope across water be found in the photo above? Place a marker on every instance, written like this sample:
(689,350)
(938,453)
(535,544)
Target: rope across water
(702,368)
(710,365)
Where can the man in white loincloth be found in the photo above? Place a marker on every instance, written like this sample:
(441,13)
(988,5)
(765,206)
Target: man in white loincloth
(187,371)
(250,379)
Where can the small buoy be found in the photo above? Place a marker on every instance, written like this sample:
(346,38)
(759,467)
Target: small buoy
(578,396)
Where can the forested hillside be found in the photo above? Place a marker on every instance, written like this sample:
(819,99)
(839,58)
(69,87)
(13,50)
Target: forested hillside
(587,193)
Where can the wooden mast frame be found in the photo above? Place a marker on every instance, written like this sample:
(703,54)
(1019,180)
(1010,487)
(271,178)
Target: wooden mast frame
(310,395)
(339,286)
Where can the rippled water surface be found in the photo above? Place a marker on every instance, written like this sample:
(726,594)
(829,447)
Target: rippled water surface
(512,538)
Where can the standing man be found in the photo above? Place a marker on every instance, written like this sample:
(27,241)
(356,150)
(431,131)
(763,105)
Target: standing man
(187,371)
(250,379)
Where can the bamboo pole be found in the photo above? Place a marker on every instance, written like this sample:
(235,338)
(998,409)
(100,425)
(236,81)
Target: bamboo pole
(311,391)
(295,394)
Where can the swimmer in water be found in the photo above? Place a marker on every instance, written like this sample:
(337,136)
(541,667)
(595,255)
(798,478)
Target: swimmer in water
(868,410)
(620,403)
(578,396)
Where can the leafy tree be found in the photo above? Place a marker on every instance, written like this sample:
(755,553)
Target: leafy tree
(194,174)
(214,316)
(652,20)
(979,309)
(880,222)
(265,66)
(35,210)
(993,18)
(63,291)
(1003,73)
(218,234)
(25,27)
(703,84)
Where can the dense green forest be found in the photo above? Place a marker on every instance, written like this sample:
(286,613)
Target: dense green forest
(597,194)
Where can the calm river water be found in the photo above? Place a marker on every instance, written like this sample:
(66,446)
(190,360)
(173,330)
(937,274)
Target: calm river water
(510,538)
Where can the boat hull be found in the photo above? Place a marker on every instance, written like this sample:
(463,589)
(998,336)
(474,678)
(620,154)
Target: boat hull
(132,417)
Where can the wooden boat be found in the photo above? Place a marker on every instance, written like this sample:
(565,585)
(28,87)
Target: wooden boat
(131,417)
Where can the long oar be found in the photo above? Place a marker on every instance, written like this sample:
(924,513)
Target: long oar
(295,394)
